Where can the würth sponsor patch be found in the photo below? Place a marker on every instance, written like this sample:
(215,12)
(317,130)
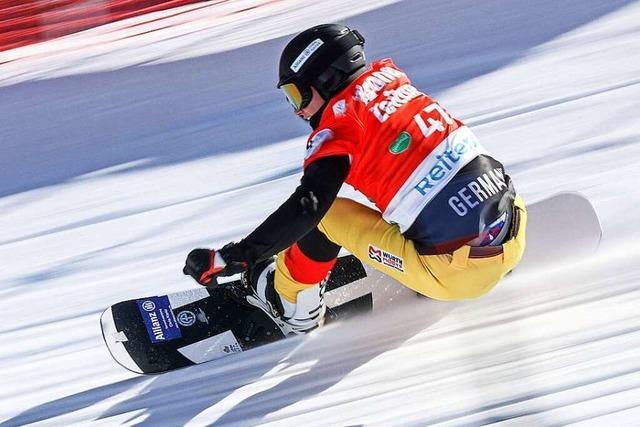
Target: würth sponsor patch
(386,258)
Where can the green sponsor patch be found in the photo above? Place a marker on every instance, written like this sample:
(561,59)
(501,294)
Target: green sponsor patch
(401,143)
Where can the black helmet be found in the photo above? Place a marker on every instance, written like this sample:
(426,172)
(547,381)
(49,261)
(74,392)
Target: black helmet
(327,56)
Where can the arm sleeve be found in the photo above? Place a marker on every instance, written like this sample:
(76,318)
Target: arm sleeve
(301,213)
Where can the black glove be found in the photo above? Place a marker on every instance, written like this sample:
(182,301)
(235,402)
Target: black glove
(204,265)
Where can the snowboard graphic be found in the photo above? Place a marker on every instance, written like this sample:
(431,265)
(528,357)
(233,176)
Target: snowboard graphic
(161,333)
(165,332)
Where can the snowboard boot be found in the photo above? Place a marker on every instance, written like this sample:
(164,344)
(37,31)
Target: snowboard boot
(303,316)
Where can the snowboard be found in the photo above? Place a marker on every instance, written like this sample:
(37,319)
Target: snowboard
(561,229)
(166,332)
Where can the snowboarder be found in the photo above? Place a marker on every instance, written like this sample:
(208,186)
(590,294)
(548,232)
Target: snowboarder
(448,222)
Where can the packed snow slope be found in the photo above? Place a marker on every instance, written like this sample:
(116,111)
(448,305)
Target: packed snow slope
(118,157)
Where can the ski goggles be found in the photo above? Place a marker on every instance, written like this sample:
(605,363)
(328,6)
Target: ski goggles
(298,99)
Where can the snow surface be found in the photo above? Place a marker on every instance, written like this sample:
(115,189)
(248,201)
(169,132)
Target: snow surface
(113,166)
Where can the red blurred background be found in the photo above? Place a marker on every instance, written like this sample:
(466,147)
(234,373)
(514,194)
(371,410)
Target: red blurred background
(30,21)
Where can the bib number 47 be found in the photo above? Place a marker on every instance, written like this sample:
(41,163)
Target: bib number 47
(433,113)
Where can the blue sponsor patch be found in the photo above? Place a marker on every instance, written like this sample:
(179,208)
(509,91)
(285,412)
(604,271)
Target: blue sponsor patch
(159,319)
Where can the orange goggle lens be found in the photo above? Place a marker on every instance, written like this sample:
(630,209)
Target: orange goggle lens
(293,94)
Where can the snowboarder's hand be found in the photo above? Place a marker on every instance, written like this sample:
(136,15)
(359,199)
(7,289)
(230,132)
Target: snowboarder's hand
(204,265)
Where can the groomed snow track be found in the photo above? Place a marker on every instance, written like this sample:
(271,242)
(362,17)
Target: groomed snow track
(120,152)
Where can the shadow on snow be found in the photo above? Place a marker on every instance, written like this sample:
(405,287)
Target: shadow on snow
(55,130)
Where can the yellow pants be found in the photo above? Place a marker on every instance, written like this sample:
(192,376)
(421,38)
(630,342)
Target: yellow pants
(362,231)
